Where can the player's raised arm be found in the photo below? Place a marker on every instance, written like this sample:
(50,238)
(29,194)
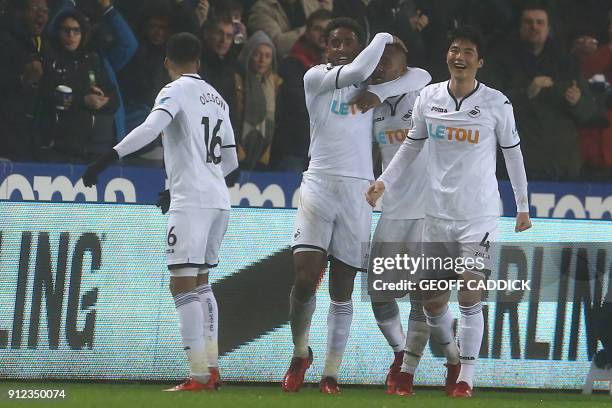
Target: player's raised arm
(322,79)
(407,153)
(415,79)
(510,143)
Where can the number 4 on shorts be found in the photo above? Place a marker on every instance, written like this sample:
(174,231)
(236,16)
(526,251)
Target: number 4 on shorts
(485,243)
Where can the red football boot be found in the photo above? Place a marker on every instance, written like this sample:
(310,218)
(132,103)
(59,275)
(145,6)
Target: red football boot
(294,377)
(403,385)
(192,385)
(329,385)
(215,376)
(394,370)
(452,373)
(462,390)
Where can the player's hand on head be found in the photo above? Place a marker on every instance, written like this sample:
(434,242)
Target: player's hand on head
(375,191)
(397,41)
(163,201)
(523,222)
(366,101)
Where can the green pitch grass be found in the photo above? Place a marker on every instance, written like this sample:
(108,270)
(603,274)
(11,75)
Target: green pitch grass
(270,396)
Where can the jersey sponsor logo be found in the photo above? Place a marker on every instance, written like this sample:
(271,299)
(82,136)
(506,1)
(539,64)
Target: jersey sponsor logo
(474,113)
(438,109)
(453,133)
(379,119)
(344,109)
(407,117)
(391,136)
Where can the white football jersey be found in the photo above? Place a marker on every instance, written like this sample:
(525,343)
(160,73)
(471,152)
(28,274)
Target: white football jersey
(200,128)
(392,121)
(340,135)
(463,137)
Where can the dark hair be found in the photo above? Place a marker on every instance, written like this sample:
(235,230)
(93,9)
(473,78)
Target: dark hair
(183,48)
(12,6)
(536,5)
(320,14)
(227,6)
(472,35)
(80,18)
(349,23)
(212,22)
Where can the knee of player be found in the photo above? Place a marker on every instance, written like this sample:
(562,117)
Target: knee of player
(435,306)
(384,311)
(305,284)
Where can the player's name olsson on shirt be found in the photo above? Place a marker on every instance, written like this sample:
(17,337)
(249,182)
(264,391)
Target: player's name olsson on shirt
(212,98)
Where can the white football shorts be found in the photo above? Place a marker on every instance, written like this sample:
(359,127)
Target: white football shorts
(193,237)
(334,217)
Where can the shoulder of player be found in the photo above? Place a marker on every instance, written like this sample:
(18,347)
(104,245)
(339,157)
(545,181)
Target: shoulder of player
(432,89)
(317,69)
(494,97)
(419,77)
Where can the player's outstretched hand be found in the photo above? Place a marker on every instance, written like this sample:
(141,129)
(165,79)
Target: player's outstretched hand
(163,201)
(365,101)
(374,192)
(522,222)
(90,176)
(232,178)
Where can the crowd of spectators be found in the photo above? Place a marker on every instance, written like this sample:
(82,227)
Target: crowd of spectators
(76,76)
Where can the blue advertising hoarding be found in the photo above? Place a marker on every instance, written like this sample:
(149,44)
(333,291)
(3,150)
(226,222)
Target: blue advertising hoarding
(61,182)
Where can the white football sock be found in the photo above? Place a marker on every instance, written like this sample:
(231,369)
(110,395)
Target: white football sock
(211,323)
(339,321)
(190,317)
(471,327)
(300,315)
(442,332)
(389,322)
(416,338)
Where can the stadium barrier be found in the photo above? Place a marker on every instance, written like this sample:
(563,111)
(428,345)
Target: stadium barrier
(84,295)
(61,183)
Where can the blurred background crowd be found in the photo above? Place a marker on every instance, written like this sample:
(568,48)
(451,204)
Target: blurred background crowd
(77,76)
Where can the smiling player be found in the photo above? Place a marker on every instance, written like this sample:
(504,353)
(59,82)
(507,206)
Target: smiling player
(464,121)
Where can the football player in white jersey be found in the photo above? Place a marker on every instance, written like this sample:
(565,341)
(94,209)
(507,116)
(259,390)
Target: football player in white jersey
(199,151)
(463,121)
(331,220)
(400,227)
